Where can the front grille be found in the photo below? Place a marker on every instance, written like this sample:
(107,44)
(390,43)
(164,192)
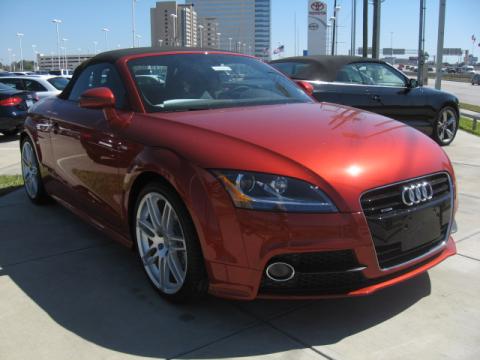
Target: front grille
(400,232)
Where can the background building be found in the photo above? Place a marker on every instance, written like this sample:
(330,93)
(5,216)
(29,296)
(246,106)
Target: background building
(70,62)
(244,25)
(209,33)
(173,25)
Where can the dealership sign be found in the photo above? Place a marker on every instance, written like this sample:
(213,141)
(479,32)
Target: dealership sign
(317,27)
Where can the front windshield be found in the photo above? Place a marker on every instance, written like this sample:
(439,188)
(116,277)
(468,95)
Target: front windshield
(185,82)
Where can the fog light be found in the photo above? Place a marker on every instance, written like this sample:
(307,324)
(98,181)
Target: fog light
(280,271)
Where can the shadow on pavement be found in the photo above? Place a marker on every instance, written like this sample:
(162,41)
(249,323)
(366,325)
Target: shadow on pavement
(98,291)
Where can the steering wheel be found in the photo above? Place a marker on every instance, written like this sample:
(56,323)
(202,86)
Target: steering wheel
(237,90)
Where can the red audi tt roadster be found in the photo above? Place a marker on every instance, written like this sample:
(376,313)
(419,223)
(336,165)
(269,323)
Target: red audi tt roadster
(228,178)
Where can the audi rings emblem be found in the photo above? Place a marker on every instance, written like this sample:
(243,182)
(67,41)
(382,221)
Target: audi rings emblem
(417,193)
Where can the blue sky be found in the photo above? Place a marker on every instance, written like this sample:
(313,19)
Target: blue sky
(84,19)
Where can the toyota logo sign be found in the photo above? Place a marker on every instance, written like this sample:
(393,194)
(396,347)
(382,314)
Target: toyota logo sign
(317,6)
(417,193)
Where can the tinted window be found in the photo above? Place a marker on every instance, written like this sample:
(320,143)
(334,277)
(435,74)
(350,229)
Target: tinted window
(350,74)
(100,75)
(33,85)
(13,83)
(379,74)
(59,83)
(205,81)
(291,69)
(4,87)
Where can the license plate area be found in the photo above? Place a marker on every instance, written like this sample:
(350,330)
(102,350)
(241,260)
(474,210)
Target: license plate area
(410,234)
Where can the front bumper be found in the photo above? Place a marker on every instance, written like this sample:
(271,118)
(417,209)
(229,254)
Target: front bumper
(266,235)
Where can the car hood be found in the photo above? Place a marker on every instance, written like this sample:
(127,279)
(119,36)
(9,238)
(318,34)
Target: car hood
(345,150)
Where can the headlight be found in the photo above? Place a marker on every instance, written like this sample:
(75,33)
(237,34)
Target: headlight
(258,191)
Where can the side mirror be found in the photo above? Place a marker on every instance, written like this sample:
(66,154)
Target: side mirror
(97,98)
(412,83)
(305,86)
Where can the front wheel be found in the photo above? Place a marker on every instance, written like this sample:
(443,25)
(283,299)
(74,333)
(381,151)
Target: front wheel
(167,244)
(446,126)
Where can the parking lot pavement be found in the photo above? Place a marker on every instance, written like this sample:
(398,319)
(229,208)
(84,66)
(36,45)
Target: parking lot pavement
(68,292)
(9,156)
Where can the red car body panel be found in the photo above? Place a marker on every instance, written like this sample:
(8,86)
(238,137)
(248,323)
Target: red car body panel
(95,170)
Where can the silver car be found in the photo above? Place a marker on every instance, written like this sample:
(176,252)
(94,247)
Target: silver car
(43,85)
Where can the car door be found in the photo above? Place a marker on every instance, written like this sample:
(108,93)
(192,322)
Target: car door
(87,150)
(351,89)
(389,94)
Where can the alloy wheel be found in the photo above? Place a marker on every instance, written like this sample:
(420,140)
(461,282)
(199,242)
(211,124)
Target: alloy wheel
(446,125)
(29,170)
(161,243)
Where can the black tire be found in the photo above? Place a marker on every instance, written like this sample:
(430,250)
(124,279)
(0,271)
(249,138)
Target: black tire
(195,283)
(39,196)
(9,132)
(444,135)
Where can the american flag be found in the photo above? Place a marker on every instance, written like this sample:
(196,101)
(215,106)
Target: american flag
(474,38)
(279,50)
(266,50)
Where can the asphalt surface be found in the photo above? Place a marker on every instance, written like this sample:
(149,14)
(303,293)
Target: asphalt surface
(69,292)
(466,92)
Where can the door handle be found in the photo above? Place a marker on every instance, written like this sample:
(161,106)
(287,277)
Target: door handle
(55,128)
(376,98)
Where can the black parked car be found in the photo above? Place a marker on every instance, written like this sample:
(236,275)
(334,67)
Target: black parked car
(376,86)
(14,105)
(476,79)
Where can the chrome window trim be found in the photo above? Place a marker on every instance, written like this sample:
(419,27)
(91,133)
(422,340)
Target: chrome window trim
(431,251)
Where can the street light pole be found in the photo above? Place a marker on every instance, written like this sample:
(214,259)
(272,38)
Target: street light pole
(138,36)
(441,35)
(95,43)
(160,42)
(365,29)
(354,27)
(334,26)
(57,22)
(391,46)
(65,62)
(421,43)
(230,44)
(219,38)
(34,56)
(9,59)
(133,22)
(377,8)
(106,30)
(20,36)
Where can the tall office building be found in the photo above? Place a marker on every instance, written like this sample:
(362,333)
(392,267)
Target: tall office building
(173,25)
(244,24)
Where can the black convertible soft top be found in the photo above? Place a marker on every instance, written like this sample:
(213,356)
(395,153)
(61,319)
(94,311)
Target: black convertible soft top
(322,67)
